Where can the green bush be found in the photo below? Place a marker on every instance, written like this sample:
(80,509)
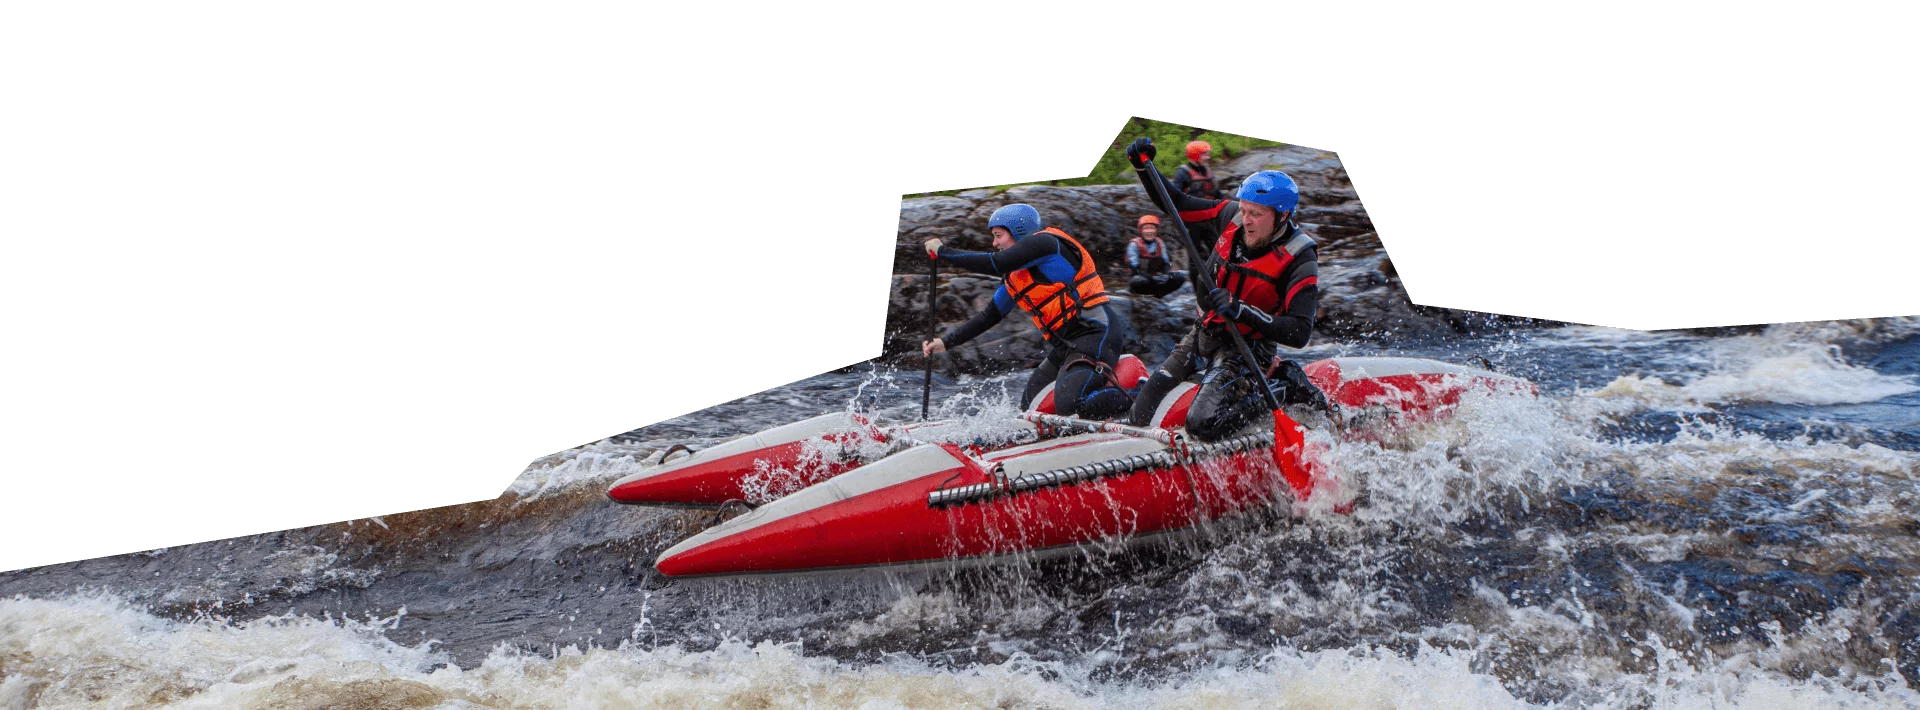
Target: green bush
(1170,138)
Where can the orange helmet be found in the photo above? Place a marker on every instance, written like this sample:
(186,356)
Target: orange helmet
(1195,148)
(1149,219)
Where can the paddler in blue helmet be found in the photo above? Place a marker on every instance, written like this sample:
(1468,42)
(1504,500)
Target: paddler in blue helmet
(1265,284)
(1051,276)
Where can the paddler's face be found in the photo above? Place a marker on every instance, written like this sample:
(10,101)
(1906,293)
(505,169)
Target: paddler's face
(1206,156)
(1258,223)
(1002,238)
(1149,231)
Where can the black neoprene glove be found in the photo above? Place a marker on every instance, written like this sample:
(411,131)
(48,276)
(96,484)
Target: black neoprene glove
(1140,151)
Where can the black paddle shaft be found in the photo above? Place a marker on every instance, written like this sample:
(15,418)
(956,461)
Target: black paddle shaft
(933,329)
(1203,280)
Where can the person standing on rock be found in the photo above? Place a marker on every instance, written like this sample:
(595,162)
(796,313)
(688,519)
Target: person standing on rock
(1265,283)
(1051,276)
(1195,179)
(1147,259)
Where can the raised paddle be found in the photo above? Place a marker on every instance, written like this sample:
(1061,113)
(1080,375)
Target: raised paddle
(933,329)
(1202,279)
(1287,438)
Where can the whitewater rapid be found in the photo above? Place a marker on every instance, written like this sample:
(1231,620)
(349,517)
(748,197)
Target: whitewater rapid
(1681,521)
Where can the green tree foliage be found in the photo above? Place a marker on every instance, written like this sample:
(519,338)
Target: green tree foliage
(1170,138)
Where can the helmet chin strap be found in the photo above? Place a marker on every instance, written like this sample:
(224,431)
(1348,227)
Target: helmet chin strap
(1280,224)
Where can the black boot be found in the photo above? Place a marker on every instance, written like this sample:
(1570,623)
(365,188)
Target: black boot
(1148,399)
(1295,388)
(1227,403)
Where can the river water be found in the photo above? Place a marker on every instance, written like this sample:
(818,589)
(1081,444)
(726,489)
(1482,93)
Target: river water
(1680,520)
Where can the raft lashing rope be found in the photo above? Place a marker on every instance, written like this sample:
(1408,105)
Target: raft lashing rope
(1179,454)
(1051,425)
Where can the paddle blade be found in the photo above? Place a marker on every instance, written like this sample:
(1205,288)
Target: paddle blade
(1290,453)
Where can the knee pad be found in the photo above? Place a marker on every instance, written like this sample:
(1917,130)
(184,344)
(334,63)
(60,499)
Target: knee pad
(1105,403)
(1103,397)
(1102,372)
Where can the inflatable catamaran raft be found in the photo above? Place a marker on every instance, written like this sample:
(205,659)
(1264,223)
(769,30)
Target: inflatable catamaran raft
(805,452)
(1075,482)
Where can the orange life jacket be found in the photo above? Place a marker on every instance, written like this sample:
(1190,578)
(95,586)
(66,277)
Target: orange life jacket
(1257,281)
(1052,305)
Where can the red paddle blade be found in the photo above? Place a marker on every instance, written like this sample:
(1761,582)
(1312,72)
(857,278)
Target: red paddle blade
(1289,452)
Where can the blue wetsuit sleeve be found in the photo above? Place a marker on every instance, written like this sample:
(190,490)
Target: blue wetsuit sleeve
(1029,251)
(1133,255)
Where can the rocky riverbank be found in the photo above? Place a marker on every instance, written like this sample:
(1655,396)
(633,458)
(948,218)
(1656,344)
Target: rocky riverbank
(1360,293)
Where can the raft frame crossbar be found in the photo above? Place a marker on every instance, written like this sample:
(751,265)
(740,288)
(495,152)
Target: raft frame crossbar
(1055,421)
(1001,486)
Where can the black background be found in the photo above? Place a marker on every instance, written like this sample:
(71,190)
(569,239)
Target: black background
(408,311)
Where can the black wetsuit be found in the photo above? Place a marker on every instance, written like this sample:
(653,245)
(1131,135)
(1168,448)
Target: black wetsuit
(1228,399)
(1187,181)
(1096,335)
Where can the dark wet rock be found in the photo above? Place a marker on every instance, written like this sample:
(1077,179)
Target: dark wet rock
(929,211)
(1361,295)
(1322,179)
(1335,228)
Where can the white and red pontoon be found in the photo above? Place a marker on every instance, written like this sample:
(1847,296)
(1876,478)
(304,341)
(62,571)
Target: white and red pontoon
(928,502)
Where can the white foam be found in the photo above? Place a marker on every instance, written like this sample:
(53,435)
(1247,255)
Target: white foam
(1660,547)
(1794,364)
(983,414)
(1703,451)
(1498,451)
(595,463)
(1495,448)
(97,652)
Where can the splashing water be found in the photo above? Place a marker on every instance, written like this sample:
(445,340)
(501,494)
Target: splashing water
(1741,534)
(98,652)
(1788,363)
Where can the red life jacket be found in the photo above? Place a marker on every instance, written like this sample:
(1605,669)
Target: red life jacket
(1257,282)
(1153,259)
(1202,178)
(1052,305)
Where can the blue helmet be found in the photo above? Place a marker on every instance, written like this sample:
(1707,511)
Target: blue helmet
(1019,219)
(1271,188)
